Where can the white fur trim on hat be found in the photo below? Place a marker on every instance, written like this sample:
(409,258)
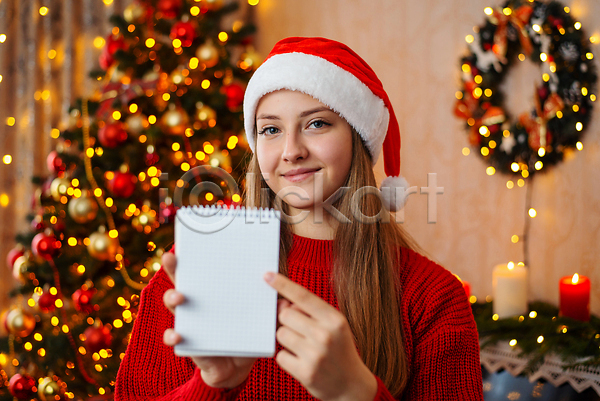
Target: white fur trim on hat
(394,199)
(333,86)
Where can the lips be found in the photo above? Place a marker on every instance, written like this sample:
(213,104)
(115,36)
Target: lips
(299,174)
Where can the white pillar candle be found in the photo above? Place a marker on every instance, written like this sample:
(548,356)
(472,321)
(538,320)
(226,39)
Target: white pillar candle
(510,290)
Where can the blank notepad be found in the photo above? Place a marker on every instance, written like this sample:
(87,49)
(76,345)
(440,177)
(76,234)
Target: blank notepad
(222,255)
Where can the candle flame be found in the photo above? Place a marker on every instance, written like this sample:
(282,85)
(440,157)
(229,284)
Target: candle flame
(510,265)
(575,278)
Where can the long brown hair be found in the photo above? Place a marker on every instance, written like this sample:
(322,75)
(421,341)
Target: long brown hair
(366,277)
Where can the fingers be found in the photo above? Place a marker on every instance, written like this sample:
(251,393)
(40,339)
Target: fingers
(171,338)
(169,263)
(298,295)
(296,320)
(291,364)
(172,298)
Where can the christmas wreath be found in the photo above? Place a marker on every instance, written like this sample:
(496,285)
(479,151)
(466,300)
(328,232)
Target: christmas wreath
(551,38)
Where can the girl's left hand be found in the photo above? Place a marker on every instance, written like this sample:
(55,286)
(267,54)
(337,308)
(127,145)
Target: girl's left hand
(319,346)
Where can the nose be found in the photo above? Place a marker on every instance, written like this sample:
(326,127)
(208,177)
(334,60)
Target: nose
(294,147)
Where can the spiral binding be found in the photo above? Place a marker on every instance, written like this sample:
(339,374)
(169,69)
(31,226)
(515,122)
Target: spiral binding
(238,211)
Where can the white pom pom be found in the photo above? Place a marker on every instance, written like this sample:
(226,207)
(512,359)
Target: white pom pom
(394,199)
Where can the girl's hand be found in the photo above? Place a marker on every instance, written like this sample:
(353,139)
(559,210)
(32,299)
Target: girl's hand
(220,372)
(319,347)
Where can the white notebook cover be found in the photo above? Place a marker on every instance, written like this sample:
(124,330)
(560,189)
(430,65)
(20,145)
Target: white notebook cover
(222,255)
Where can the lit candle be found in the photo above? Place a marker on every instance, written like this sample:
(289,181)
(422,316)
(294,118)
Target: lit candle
(509,283)
(575,297)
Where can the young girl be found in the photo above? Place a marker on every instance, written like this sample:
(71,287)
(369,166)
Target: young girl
(362,316)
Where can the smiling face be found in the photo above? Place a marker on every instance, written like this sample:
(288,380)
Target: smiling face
(299,139)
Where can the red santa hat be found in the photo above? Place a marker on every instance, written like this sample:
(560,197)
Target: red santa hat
(335,75)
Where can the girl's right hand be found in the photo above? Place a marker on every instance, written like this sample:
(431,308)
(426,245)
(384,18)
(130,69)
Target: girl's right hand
(219,372)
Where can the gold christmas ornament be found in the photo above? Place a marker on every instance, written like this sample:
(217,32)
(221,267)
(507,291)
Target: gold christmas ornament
(177,76)
(145,219)
(102,246)
(116,74)
(19,322)
(48,389)
(74,120)
(175,120)
(21,267)
(205,113)
(134,13)
(152,75)
(83,209)
(220,159)
(153,264)
(59,187)
(136,123)
(208,54)
(250,60)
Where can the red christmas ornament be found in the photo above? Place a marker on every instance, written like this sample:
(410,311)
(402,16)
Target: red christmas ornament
(82,299)
(60,225)
(112,135)
(112,45)
(166,213)
(13,255)
(123,185)
(97,338)
(46,246)
(37,223)
(185,32)
(235,95)
(21,386)
(55,163)
(151,159)
(46,301)
(169,8)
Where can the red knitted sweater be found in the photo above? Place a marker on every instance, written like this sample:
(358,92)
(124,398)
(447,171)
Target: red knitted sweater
(440,339)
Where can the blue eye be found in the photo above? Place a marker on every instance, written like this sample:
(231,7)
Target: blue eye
(318,124)
(269,131)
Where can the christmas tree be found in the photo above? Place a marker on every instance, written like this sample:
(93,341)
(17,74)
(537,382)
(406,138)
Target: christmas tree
(165,126)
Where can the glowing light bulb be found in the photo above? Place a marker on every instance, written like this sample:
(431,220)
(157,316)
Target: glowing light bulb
(99,42)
